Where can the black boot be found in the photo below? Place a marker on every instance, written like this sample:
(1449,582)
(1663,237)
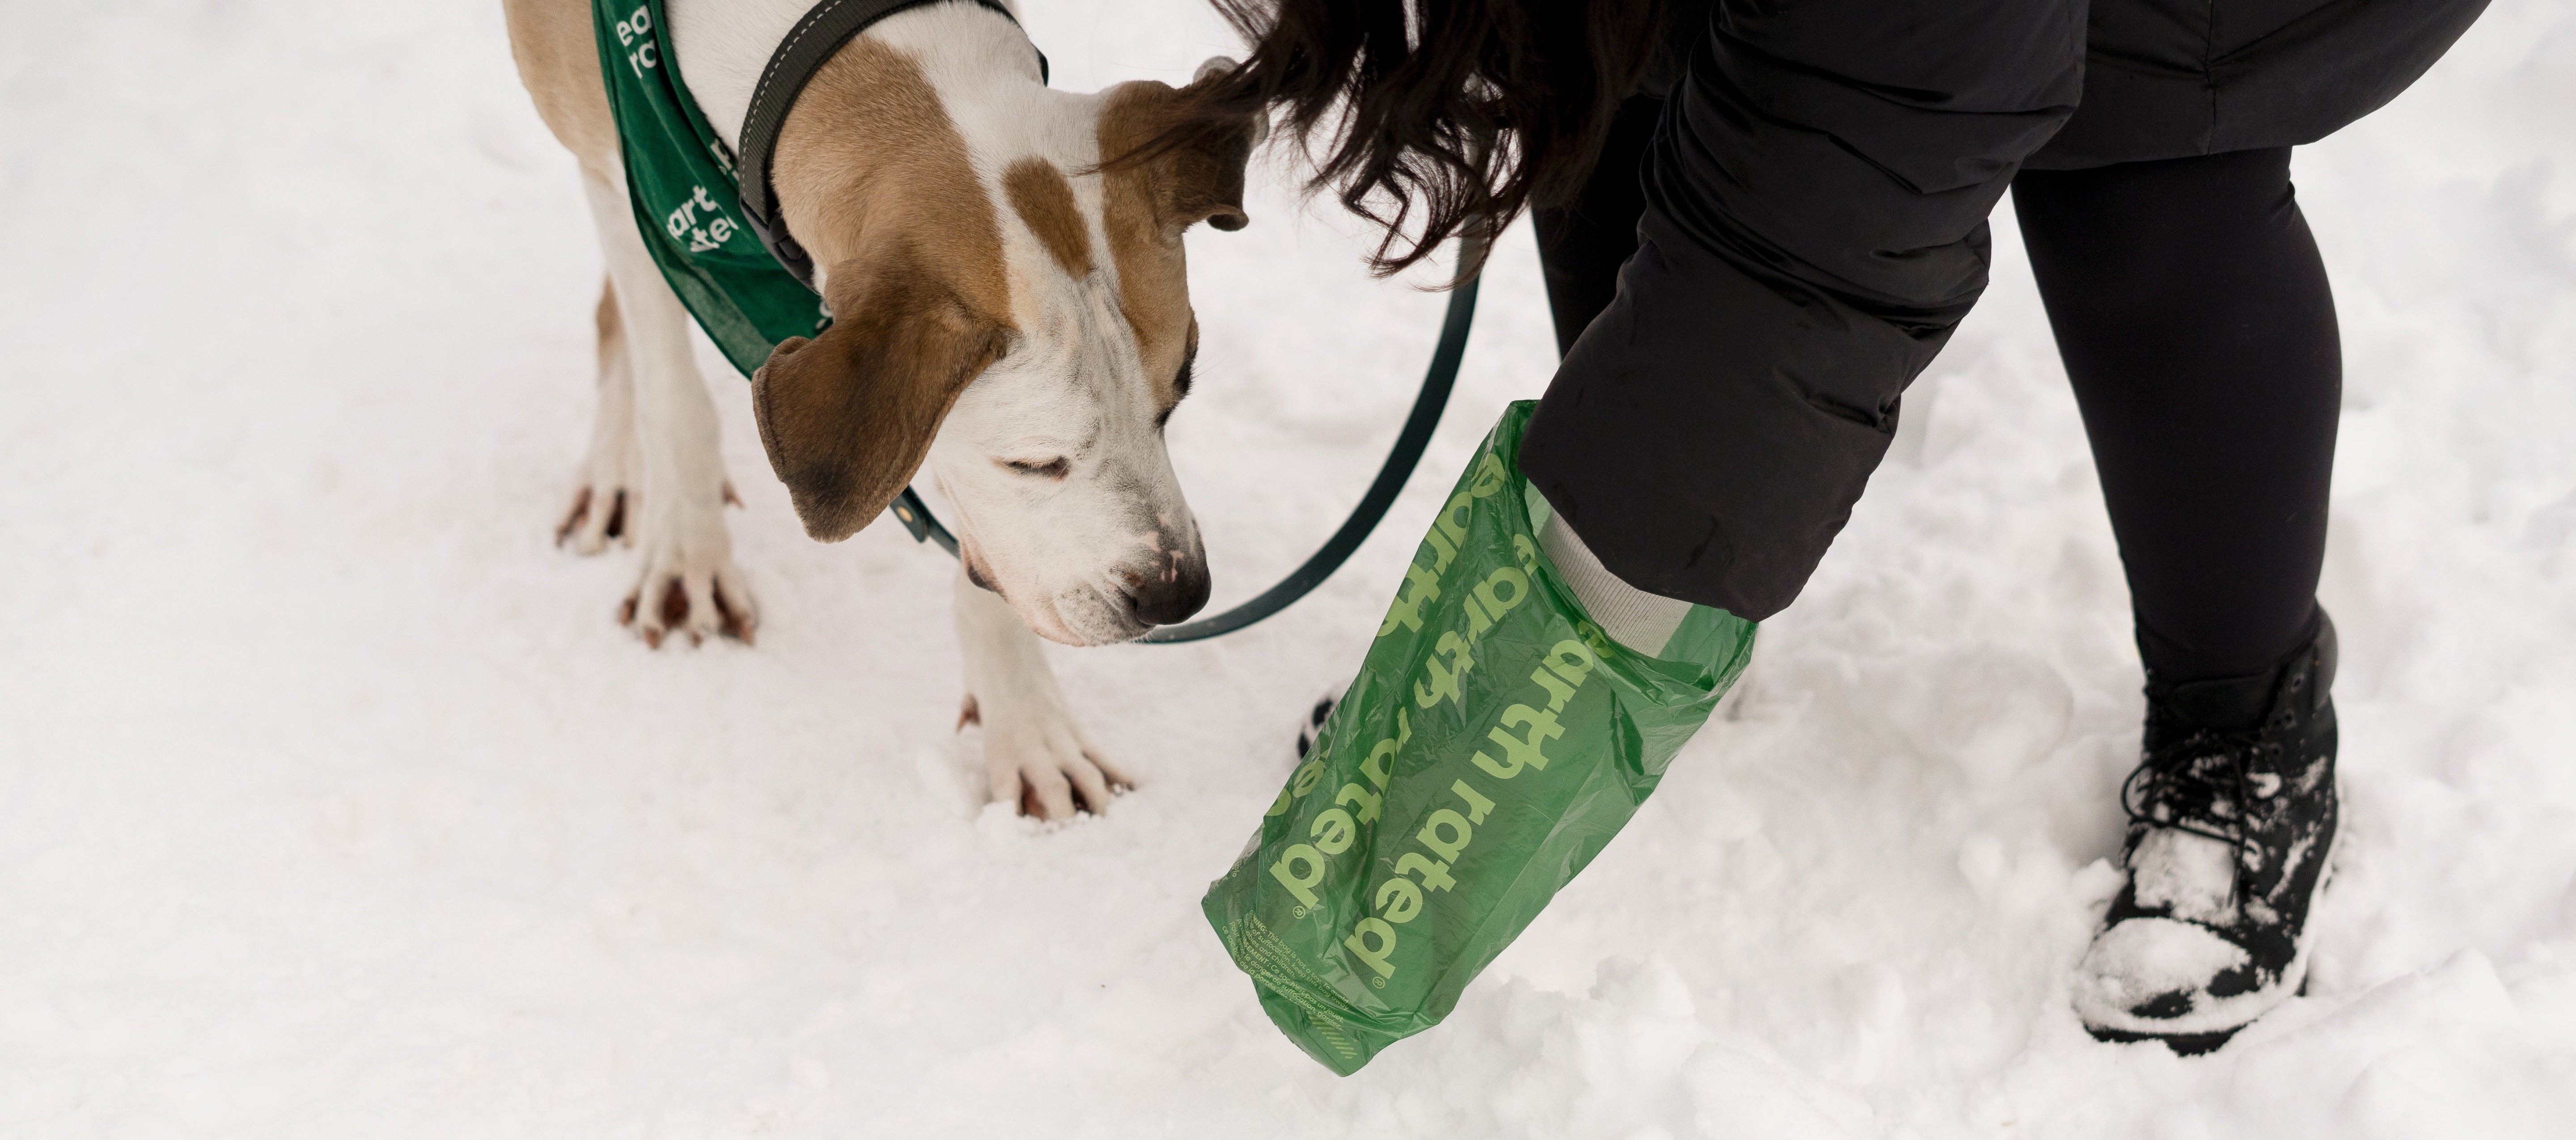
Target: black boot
(1315,723)
(2231,832)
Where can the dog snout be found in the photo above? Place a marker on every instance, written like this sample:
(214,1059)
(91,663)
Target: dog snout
(1167,593)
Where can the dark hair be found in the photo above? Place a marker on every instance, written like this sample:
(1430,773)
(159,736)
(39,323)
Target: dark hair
(1468,111)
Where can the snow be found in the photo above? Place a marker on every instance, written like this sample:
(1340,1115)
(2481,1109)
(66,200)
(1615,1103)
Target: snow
(2144,958)
(334,803)
(2193,876)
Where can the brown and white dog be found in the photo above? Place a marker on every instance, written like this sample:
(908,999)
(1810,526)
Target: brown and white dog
(1008,316)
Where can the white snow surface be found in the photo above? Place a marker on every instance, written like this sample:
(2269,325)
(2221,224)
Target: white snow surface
(334,803)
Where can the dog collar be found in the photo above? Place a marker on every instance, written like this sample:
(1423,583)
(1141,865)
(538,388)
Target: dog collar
(813,41)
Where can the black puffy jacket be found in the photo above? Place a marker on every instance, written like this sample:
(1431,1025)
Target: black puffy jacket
(1816,226)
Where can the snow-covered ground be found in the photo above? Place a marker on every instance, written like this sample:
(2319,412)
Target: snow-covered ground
(333,802)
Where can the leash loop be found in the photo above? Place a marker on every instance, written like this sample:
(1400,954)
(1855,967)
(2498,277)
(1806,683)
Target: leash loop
(1391,475)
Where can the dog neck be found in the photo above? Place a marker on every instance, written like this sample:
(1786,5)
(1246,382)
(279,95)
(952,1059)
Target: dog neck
(724,45)
(899,127)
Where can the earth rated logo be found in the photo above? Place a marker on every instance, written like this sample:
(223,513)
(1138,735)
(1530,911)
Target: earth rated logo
(682,224)
(635,34)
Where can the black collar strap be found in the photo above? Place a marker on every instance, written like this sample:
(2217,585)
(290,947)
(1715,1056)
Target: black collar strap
(814,40)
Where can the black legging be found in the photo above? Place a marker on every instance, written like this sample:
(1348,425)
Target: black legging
(2194,318)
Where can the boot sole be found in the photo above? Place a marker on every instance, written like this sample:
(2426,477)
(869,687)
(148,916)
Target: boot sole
(2183,1044)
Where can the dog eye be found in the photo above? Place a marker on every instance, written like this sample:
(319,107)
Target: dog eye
(1181,380)
(1056,468)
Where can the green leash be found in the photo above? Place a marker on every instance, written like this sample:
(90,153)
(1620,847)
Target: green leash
(709,223)
(1400,461)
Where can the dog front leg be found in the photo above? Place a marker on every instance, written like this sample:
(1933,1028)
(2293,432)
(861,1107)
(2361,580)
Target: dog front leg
(688,581)
(610,474)
(1035,754)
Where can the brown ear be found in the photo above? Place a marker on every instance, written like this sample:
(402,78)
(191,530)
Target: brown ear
(1210,174)
(848,416)
(1206,180)
(1197,175)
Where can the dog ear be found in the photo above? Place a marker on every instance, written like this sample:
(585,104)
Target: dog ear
(848,416)
(1205,182)
(1205,177)
(1198,177)
(1218,67)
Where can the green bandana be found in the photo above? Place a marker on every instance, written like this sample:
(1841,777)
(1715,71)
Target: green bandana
(680,179)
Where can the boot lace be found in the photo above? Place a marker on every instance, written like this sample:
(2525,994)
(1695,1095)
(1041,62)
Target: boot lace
(2203,785)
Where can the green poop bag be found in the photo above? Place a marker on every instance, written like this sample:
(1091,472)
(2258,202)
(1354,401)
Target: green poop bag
(1494,741)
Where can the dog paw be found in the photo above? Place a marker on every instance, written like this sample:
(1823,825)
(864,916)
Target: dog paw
(699,594)
(1044,763)
(605,509)
(600,511)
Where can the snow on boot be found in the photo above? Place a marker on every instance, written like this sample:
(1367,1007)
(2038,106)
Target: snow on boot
(2231,829)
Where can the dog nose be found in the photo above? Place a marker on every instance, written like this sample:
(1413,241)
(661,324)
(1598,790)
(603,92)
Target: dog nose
(1171,596)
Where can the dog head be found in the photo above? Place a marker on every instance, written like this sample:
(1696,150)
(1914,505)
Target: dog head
(1010,316)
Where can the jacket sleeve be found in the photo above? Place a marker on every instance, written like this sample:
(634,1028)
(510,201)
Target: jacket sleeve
(1814,229)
